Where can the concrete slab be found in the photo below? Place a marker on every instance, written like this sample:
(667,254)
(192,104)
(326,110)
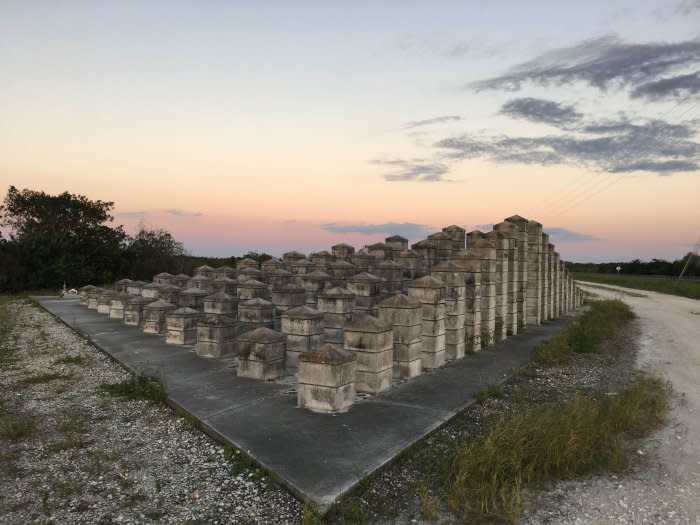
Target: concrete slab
(317,456)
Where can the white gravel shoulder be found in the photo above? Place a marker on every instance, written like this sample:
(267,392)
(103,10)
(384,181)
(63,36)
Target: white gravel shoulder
(665,485)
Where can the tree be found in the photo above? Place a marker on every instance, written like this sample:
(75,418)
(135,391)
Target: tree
(62,238)
(153,250)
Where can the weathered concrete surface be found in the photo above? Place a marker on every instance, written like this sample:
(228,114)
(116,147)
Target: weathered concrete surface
(317,456)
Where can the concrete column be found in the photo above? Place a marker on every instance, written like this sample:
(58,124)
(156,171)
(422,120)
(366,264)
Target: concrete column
(105,300)
(290,257)
(271,265)
(252,289)
(314,283)
(337,306)
(458,236)
(364,262)
(133,288)
(556,265)
(182,280)
(181,326)
(215,336)
(258,312)
(431,293)
(286,298)
(321,260)
(117,304)
(534,273)
(391,274)
(278,278)
(223,272)
(133,310)
(377,250)
(326,380)
(443,244)
(427,250)
(342,251)
(249,273)
(404,315)
(220,303)
(341,271)
(154,316)
(395,245)
(93,297)
(454,277)
(261,354)
(372,341)
(412,264)
(299,268)
(487,251)
(204,271)
(511,231)
(367,290)
(120,286)
(470,260)
(501,242)
(303,327)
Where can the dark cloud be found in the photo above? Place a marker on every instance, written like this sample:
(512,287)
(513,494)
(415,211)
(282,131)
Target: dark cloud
(130,213)
(678,86)
(602,63)
(409,230)
(686,7)
(562,235)
(610,146)
(181,213)
(540,110)
(430,121)
(422,170)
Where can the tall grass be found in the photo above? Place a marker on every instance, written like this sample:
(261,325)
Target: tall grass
(487,477)
(599,323)
(144,385)
(684,288)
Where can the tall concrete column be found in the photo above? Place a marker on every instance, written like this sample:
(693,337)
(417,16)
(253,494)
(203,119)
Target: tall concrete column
(405,316)
(487,251)
(470,260)
(534,273)
(510,230)
(521,235)
(502,243)
(454,277)
(431,293)
(544,290)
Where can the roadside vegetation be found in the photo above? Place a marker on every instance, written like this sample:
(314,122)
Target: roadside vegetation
(543,425)
(672,286)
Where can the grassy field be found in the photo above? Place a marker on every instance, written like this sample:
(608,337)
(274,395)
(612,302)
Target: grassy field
(640,282)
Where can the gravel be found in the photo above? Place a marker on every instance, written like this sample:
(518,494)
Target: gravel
(95,458)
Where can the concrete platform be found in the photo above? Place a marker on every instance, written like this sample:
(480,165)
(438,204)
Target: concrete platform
(319,457)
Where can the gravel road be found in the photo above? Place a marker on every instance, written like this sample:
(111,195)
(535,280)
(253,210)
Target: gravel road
(666,488)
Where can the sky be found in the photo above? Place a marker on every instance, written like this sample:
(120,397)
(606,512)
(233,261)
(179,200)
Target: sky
(277,125)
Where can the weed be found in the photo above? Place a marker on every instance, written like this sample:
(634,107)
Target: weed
(144,385)
(154,514)
(71,360)
(309,516)
(45,377)
(492,390)
(488,476)
(430,505)
(16,427)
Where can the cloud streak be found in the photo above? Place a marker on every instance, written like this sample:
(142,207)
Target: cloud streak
(603,63)
(181,213)
(420,170)
(562,235)
(431,121)
(409,230)
(541,111)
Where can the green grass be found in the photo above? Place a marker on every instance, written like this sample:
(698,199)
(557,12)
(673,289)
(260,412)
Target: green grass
(8,320)
(597,324)
(45,377)
(16,427)
(144,385)
(672,286)
(488,476)
(490,391)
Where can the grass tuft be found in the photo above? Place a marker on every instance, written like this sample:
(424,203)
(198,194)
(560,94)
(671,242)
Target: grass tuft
(45,377)
(493,390)
(144,385)
(15,428)
(488,476)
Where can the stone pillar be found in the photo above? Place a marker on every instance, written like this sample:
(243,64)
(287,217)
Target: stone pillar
(391,274)
(326,380)
(170,293)
(154,315)
(378,251)
(341,271)
(286,298)
(225,285)
(367,290)
(135,287)
(337,306)
(372,341)
(342,251)
(321,260)
(290,257)
(261,354)
(431,293)
(181,280)
(201,282)
(511,232)
(404,315)
(117,304)
(163,278)
(279,278)
(152,290)
(193,298)
(314,283)
(458,236)
(301,267)
(443,245)
(84,291)
(521,233)
(271,265)
(256,312)
(104,302)
(133,310)
(454,277)
(427,250)
(412,265)
(249,274)
(215,336)
(93,297)
(120,286)
(246,263)
(252,289)
(470,260)
(220,303)
(534,273)
(223,272)
(502,244)
(363,261)
(303,327)
(181,326)
(545,289)
(395,245)
(556,266)
(487,252)
(204,271)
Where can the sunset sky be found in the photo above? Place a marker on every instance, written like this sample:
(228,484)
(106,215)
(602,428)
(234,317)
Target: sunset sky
(279,125)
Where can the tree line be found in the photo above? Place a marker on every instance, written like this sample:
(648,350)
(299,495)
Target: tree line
(639,267)
(68,238)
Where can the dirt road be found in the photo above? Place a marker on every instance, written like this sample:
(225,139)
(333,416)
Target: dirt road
(666,489)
